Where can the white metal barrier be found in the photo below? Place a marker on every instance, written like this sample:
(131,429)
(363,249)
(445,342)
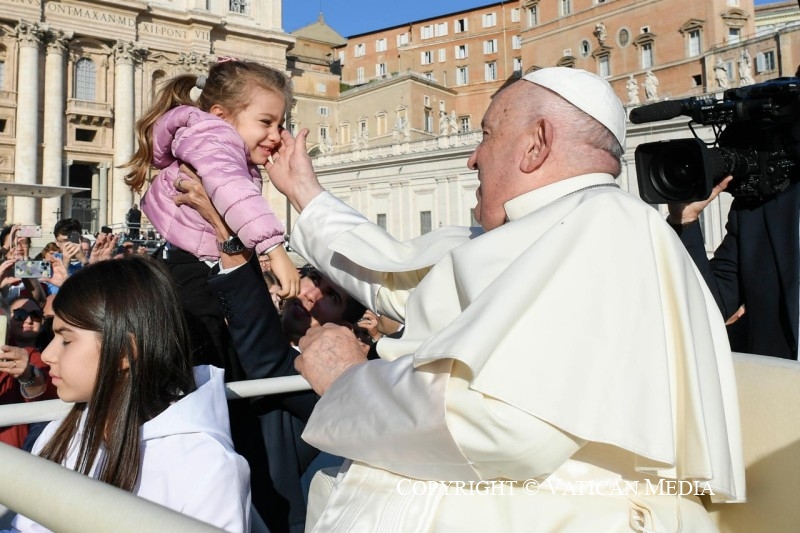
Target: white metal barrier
(84,504)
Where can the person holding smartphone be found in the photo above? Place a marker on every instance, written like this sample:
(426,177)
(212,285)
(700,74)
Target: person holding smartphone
(67,232)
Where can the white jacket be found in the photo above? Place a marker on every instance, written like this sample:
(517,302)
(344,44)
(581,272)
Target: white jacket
(188,460)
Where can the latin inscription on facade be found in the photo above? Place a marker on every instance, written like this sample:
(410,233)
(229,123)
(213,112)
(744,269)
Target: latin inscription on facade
(90,15)
(163,31)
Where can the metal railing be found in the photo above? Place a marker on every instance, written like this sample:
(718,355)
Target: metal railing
(84,504)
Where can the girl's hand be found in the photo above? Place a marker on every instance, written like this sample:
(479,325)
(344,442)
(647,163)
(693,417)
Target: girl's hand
(286,272)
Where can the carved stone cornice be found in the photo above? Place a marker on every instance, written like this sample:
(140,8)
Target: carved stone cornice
(194,62)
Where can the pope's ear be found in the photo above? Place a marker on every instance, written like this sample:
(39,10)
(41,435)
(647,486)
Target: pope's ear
(540,140)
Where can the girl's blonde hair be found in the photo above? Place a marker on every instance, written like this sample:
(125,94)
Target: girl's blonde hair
(229,84)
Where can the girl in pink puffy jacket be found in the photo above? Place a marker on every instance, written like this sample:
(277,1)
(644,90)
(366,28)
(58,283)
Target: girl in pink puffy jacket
(225,134)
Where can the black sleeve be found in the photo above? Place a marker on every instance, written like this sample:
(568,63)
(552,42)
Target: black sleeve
(255,328)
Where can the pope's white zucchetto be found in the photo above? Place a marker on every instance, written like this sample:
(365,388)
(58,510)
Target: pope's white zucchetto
(588,92)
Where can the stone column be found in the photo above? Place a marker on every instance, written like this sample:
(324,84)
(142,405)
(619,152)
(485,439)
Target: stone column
(125,55)
(102,215)
(26,160)
(66,200)
(54,100)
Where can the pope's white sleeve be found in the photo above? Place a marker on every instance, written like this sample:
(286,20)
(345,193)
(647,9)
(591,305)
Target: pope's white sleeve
(323,220)
(426,423)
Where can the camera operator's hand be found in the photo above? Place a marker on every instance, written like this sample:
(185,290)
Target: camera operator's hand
(681,214)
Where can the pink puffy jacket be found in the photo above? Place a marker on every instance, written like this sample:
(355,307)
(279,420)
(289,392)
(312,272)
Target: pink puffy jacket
(186,134)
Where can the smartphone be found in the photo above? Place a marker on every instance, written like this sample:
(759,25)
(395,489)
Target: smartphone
(3,328)
(33,269)
(75,237)
(29,231)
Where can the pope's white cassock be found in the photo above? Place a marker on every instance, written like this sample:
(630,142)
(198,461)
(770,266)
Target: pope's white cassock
(575,346)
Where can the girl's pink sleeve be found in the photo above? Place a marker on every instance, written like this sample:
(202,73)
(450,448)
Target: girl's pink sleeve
(218,154)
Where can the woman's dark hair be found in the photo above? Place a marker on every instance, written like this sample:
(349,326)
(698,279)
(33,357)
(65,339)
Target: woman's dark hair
(132,304)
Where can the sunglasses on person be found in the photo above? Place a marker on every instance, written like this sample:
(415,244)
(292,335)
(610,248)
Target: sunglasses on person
(20,315)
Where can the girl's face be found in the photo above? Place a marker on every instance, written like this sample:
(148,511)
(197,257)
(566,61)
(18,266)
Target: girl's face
(74,357)
(260,124)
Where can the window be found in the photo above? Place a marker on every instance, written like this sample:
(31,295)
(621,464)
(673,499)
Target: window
(341,57)
(647,55)
(2,75)
(360,75)
(518,64)
(84,135)
(585,48)
(440,29)
(426,32)
(489,19)
(360,50)
(516,42)
(380,220)
(441,105)
(462,76)
(442,55)
(344,133)
(402,39)
(603,66)
(322,111)
(428,121)
(237,6)
(380,69)
(565,7)
(694,43)
(424,222)
(734,35)
(515,14)
(85,77)
(464,124)
(380,45)
(293,128)
(460,26)
(323,133)
(321,88)
(533,16)
(380,122)
(733,3)
(765,61)
(426,101)
(461,51)
(426,58)
(490,71)
(490,47)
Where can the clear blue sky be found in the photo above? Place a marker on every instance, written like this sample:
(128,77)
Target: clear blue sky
(351,17)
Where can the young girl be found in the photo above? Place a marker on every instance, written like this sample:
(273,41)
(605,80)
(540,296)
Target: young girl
(233,127)
(142,420)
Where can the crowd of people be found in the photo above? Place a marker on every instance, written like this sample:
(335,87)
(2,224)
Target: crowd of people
(568,339)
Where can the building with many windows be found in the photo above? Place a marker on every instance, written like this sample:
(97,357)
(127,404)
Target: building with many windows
(393,113)
(75,75)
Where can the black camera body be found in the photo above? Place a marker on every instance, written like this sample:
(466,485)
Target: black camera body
(757,131)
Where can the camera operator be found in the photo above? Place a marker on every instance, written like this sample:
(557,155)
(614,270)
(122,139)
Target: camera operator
(757,265)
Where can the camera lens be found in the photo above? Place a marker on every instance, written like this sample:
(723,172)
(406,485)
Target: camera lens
(676,172)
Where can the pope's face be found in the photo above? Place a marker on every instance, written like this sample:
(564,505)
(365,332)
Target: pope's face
(497,158)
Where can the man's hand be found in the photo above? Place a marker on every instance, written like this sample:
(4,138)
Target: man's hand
(680,214)
(326,352)
(291,171)
(193,194)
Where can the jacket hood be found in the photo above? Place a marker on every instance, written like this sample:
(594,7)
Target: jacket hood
(204,410)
